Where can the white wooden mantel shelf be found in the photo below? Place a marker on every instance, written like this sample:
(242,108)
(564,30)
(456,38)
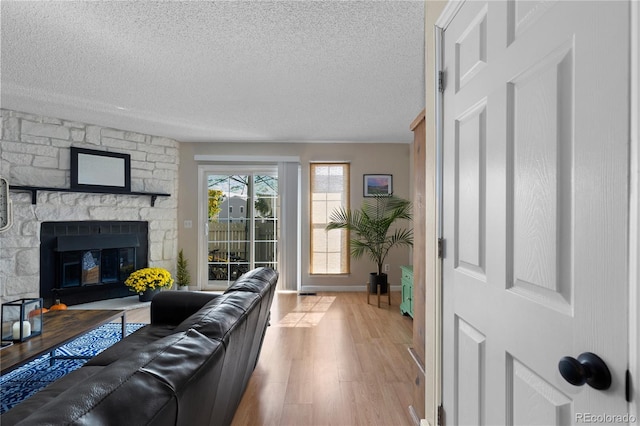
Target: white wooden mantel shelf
(34,192)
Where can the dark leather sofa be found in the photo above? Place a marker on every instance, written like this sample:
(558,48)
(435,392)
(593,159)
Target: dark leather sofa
(190,366)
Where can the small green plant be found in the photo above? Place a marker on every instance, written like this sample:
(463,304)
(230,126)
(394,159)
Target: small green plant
(183,277)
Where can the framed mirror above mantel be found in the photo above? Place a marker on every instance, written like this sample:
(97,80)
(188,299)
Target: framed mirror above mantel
(100,170)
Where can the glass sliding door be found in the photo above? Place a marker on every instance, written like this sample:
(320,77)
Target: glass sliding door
(242,212)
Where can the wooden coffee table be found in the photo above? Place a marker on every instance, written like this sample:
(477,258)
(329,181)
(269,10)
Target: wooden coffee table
(59,327)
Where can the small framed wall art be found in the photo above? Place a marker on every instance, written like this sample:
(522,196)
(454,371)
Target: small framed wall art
(100,171)
(377,185)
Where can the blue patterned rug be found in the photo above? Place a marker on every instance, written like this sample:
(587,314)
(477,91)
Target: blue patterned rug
(30,378)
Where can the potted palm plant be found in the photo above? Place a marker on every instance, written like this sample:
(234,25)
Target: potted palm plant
(372,233)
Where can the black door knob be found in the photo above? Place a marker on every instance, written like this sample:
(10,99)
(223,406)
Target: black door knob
(589,368)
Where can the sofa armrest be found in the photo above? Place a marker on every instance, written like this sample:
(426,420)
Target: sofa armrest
(173,307)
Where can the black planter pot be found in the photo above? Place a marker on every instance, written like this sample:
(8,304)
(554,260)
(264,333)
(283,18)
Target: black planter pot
(374,279)
(147,295)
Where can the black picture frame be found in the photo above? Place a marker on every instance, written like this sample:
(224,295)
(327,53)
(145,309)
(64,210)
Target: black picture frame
(377,185)
(100,171)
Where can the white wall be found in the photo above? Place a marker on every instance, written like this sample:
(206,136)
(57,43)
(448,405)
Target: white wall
(34,151)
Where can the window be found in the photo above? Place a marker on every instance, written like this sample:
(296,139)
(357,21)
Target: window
(329,190)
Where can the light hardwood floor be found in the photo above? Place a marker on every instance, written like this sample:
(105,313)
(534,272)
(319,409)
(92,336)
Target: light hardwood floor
(329,359)
(139,315)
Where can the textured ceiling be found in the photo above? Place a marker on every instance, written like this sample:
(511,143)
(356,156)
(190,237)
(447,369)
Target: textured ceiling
(219,70)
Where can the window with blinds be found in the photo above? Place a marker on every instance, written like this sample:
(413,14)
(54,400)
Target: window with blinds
(329,190)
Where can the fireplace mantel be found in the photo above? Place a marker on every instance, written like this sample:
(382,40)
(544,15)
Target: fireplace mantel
(34,192)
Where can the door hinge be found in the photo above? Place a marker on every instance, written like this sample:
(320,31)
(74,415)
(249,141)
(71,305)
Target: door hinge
(441,248)
(440,416)
(627,387)
(441,81)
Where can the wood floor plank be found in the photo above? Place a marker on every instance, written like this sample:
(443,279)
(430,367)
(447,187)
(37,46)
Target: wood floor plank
(139,315)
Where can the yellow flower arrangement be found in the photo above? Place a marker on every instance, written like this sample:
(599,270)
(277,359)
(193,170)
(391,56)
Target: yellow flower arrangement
(149,279)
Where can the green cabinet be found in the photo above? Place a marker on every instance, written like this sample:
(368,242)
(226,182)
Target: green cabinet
(406,306)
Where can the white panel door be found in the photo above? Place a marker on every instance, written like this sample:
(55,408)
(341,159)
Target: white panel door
(535,208)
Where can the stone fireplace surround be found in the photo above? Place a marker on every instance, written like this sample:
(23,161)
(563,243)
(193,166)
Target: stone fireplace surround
(34,151)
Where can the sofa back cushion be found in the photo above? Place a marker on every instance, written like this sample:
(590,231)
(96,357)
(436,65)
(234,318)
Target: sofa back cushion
(172,307)
(218,317)
(132,344)
(258,280)
(233,319)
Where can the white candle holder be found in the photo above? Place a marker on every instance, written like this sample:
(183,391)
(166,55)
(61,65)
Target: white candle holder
(21,319)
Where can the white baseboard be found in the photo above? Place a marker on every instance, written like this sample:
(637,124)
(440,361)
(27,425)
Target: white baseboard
(339,288)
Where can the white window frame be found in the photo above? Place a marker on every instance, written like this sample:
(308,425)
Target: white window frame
(346,255)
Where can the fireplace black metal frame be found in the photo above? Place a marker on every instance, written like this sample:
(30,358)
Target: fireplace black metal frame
(64,237)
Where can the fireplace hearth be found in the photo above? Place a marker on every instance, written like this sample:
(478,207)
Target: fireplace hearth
(86,261)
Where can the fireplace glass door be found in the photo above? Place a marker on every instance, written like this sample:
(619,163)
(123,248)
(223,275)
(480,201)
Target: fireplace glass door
(92,267)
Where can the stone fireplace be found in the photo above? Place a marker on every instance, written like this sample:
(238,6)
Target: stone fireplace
(85,261)
(96,237)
